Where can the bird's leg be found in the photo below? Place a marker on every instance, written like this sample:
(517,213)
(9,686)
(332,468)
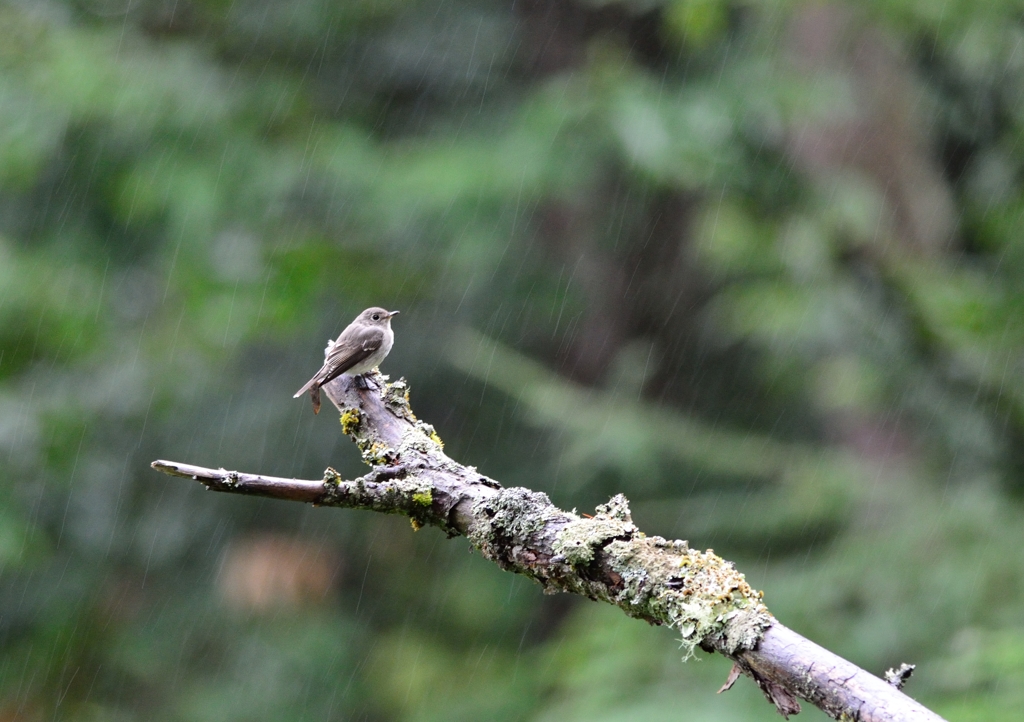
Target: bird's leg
(368,381)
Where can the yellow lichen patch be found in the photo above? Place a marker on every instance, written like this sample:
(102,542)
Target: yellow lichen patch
(350,420)
(376,453)
(423,498)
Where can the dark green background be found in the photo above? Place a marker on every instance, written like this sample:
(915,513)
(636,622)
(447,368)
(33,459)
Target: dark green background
(757,265)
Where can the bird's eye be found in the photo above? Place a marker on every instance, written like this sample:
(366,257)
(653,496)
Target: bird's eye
(376,317)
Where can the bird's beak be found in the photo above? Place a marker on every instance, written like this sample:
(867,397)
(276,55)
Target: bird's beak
(392,313)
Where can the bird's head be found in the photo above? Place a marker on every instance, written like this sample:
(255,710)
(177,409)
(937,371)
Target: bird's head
(377,317)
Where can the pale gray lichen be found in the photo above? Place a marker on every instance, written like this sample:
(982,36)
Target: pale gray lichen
(411,495)
(420,438)
(396,398)
(510,517)
(430,432)
(332,479)
(699,594)
(395,393)
(616,508)
(578,542)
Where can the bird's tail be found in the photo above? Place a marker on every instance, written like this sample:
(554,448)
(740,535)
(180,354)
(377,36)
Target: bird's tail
(313,386)
(307,387)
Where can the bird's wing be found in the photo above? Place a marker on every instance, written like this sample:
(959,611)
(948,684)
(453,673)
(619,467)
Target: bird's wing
(351,350)
(345,353)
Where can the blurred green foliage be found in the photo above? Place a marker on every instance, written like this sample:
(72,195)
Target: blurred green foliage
(758,265)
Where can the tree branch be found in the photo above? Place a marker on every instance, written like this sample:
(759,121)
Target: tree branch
(605,557)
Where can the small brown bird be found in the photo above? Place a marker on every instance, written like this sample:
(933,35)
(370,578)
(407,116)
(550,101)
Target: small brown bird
(360,348)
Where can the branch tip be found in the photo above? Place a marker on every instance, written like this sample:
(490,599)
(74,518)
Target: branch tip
(734,674)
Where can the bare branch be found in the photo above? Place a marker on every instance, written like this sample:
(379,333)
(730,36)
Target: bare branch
(241,483)
(699,594)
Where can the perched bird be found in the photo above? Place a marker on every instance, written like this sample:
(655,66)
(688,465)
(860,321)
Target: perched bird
(360,348)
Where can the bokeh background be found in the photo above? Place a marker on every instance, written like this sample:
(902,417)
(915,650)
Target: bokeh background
(756,264)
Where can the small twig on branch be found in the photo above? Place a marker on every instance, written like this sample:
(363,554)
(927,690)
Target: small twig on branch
(604,557)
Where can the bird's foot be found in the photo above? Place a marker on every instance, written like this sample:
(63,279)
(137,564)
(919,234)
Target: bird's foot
(372,380)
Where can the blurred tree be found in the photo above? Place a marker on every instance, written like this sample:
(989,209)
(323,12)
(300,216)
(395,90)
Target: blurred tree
(788,230)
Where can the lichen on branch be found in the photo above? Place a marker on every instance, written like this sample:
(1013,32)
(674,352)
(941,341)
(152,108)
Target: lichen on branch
(604,557)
